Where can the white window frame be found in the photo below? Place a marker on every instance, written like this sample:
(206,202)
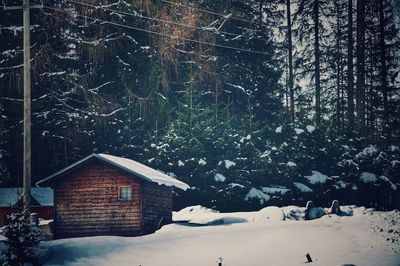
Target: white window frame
(125,196)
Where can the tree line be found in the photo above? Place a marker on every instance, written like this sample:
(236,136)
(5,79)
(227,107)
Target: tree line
(135,78)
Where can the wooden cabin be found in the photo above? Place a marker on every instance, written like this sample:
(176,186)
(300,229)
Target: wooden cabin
(11,201)
(108,195)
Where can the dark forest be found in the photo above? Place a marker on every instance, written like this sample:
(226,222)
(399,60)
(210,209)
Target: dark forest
(251,103)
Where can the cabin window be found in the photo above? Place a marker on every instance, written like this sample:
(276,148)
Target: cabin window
(125,193)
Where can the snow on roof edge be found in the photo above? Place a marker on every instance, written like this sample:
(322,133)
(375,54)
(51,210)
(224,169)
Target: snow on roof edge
(131,166)
(144,171)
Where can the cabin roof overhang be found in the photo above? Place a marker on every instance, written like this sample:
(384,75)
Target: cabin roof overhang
(137,169)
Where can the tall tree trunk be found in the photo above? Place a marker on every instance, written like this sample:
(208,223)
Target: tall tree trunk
(290,47)
(317,65)
(360,53)
(287,83)
(350,73)
(339,67)
(217,91)
(383,71)
(371,94)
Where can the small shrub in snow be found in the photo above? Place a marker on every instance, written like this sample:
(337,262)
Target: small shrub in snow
(21,237)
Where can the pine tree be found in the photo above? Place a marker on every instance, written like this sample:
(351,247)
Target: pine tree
(290,59)
(360,53)
(383,74)
(388,58)
(310,29)
(350,68)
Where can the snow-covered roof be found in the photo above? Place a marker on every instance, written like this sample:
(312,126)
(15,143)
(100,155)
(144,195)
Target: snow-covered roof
(10,196)
(140,170)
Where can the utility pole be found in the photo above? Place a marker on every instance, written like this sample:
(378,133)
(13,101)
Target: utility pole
(290,49)
(27,109)
(27,104)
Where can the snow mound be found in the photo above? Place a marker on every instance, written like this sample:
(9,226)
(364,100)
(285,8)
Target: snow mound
(257,194)
(197,209)
(367,238)
(317,178)
(367,177)
(186,214)
(201,216)
(268,214)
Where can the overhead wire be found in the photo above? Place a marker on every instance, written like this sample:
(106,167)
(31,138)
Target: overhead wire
(158,33)
(207,11)
(153,19)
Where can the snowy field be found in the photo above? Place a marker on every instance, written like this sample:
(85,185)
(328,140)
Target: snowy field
(273,236)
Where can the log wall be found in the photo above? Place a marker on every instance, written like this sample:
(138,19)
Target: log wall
(87,203)
(157,206)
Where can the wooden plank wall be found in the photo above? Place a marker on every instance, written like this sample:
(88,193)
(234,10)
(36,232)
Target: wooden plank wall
(157,204)
(87,203)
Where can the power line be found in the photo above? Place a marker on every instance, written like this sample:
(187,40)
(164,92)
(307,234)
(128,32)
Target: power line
(207,11)
(152,18)
(161,34)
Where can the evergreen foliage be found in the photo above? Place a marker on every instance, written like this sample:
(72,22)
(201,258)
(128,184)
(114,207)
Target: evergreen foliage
(217,118)
(21,237)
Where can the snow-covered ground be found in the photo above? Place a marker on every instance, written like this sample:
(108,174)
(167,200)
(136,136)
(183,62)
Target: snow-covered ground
(267,237)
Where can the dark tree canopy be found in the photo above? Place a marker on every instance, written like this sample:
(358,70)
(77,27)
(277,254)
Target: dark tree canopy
(246,101)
